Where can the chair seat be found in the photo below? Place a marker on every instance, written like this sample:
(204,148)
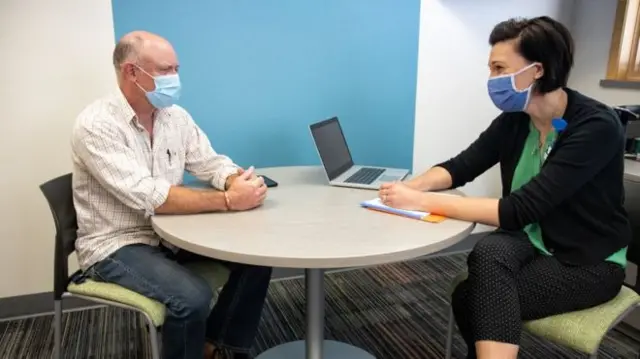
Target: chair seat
(584,329)
(580,330)
(214,273)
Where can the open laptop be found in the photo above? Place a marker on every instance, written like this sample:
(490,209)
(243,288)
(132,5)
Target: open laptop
(338,163)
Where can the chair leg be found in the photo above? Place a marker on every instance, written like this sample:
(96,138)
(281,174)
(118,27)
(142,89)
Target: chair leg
(594,355)
(449,334)
(57,327)
(155,341)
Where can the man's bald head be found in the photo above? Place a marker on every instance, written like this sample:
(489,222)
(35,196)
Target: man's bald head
(127,49)
(142,46)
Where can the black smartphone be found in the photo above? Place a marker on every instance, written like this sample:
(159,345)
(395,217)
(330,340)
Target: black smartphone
(269,182)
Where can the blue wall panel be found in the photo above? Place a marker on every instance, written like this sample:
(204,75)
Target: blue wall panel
(257,73)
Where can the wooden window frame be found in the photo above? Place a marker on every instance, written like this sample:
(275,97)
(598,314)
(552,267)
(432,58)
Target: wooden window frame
(625,67)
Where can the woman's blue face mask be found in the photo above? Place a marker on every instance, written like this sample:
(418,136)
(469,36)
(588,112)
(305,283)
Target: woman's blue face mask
(505,95)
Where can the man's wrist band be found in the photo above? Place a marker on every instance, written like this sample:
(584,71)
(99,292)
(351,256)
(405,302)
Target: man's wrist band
(227,201)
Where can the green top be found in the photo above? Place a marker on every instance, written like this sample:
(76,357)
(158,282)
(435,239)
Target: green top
(528,167)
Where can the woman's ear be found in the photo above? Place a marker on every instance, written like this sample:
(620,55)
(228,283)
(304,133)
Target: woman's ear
(539,71)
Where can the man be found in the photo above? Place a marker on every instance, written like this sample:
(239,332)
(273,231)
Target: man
(130,151)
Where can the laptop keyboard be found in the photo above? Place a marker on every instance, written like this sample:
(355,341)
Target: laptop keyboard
(365,175)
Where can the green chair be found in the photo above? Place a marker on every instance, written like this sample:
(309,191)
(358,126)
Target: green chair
(583,330)
(58,193)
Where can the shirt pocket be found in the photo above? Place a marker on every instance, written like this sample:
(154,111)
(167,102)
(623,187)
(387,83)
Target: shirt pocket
(171,162)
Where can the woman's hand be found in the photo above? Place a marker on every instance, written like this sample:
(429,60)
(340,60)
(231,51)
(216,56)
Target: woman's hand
(413,183)
(400,195)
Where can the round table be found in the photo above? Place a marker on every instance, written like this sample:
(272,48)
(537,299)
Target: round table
(305,223)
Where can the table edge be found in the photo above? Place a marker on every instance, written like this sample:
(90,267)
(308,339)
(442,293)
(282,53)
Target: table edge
(311,263)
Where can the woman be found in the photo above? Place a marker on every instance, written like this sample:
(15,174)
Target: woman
(563,231)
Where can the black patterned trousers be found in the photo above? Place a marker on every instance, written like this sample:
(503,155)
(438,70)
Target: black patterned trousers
(510,282)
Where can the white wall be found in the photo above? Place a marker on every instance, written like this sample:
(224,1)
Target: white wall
(452,106)
(55,60)
(592,32)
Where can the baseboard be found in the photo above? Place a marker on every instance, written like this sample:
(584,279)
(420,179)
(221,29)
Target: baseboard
(36,304)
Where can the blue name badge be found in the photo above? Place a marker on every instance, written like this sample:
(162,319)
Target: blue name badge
(559,125)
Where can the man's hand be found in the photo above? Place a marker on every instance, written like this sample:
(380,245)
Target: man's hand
(231,178)
(253,172)
(246,191)
(400,195)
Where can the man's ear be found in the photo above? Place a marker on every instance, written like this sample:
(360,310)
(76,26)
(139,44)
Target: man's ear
(129,70)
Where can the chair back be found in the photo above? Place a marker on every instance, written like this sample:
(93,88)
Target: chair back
(631,108)
(632,206)
(627,113)
(630,117)
(59,195)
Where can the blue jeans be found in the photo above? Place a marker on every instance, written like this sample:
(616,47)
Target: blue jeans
(157,273)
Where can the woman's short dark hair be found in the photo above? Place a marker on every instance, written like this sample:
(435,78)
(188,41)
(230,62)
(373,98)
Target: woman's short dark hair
(540,39)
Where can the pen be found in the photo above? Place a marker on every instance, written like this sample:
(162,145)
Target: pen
(169,155)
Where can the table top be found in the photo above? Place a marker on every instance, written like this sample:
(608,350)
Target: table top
(305,223)
(632,170)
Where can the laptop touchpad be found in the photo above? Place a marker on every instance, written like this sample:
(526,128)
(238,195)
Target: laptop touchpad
(387,178)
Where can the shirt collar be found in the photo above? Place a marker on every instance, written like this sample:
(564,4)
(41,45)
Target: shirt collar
(127,112)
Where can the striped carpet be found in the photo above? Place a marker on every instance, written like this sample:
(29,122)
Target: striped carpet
(395,311)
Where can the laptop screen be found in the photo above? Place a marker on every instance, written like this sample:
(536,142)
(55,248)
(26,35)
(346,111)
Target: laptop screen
(332,147)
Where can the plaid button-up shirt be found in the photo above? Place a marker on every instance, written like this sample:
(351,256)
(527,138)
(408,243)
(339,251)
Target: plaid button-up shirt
(120,176)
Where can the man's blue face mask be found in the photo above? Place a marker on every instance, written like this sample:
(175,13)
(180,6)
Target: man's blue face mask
(505,95)
(167,91)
